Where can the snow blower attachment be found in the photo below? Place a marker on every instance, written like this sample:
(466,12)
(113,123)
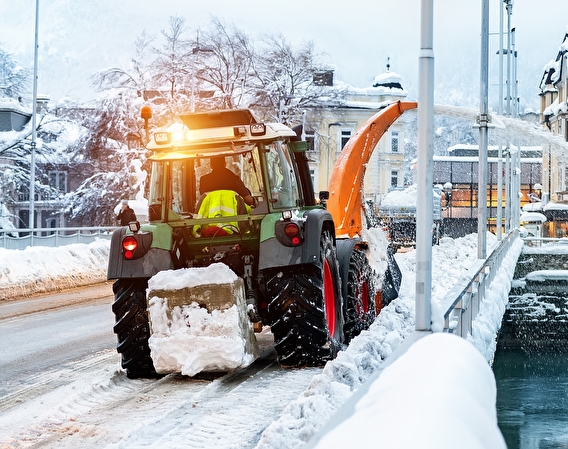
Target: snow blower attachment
(199,321)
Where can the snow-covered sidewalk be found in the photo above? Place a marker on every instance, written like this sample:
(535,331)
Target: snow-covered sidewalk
(41,269)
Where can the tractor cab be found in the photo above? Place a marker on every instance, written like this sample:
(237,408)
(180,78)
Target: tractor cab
(215,178)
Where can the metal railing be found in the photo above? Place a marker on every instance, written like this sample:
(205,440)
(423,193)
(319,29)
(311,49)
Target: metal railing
(52,237)
(461,303)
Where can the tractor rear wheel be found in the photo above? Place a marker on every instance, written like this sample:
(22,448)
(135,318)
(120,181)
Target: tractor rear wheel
(132,327)
(305,310)
(360,292)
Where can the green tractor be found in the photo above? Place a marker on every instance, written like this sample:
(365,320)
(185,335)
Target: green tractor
(315,291)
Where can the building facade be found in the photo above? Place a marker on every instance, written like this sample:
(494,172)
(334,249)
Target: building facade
(554,117)
(53,175)
(330,126)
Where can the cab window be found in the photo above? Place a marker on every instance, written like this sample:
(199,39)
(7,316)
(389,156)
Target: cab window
(283,185)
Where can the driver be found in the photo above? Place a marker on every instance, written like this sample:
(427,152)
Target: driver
(221,178)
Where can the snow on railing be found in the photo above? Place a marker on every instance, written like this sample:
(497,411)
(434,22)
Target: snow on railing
(52,237)
(461,303)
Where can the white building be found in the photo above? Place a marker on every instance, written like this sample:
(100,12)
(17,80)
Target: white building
(330,125)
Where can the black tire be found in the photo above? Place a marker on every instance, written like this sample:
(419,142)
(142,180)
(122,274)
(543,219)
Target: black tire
(132,327)
(305,310)
(360,295)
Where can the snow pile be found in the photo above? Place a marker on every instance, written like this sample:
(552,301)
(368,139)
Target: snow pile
(547,275)
(492,307)
(401,198)
(427,407)
(328,391)
(39,269)
(198,321)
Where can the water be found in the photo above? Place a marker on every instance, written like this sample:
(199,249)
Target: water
(532,398)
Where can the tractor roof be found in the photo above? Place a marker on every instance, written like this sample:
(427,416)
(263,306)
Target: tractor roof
(228,132)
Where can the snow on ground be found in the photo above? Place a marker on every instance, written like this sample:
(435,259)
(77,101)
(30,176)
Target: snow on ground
(342,376)
(303,417)
(40,269)
(438,412)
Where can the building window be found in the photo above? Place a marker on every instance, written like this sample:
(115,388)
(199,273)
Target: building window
(313,176)
(394,141)
(58,181)
(310,138)
(394,178)
(345,136)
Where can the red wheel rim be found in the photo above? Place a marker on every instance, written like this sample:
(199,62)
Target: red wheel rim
(365,296)
(329,297)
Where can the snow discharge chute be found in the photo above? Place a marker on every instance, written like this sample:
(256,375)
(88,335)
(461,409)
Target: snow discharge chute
(346,181)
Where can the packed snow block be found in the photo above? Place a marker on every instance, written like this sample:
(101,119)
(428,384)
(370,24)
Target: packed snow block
(199,321)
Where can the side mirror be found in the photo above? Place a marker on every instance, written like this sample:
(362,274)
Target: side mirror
(323,197)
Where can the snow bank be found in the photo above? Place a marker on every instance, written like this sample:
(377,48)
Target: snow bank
(199,321)
(402,198)
(329,390)
(492,308)
(40,269)
(547,275)
(449,402)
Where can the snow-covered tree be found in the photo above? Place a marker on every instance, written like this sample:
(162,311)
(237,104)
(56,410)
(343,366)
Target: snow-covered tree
(284,78)
(107,160)
(226,65)
(14,79)
(137,77)
(171,65)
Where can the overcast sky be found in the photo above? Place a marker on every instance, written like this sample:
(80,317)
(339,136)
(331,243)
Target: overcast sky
(78,38)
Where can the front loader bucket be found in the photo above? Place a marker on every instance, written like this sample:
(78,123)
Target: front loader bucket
(198,321)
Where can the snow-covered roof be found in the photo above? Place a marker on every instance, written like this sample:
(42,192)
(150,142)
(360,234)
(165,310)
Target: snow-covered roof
(9,104)
(555,206)
(388,79)
(533,216)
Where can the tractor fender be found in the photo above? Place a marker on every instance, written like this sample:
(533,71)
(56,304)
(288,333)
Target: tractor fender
(147,265)
(316,221)
(273,254)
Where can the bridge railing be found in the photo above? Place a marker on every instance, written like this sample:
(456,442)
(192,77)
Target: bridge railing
(461,303)
(52,237)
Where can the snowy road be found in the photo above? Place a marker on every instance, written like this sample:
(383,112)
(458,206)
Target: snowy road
(61,385)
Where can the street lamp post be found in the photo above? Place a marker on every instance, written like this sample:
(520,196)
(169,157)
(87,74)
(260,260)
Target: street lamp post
(483,125)
(195,52)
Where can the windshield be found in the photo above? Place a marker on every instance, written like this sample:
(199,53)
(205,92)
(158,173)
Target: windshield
(191,179)
(284,190)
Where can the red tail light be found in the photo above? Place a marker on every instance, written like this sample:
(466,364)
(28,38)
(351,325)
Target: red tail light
(292,230)
(129,245)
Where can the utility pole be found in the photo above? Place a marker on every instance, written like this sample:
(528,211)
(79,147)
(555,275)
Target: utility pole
(499,217)
(34,130)
(508,167)
(483,122)
(425,176)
